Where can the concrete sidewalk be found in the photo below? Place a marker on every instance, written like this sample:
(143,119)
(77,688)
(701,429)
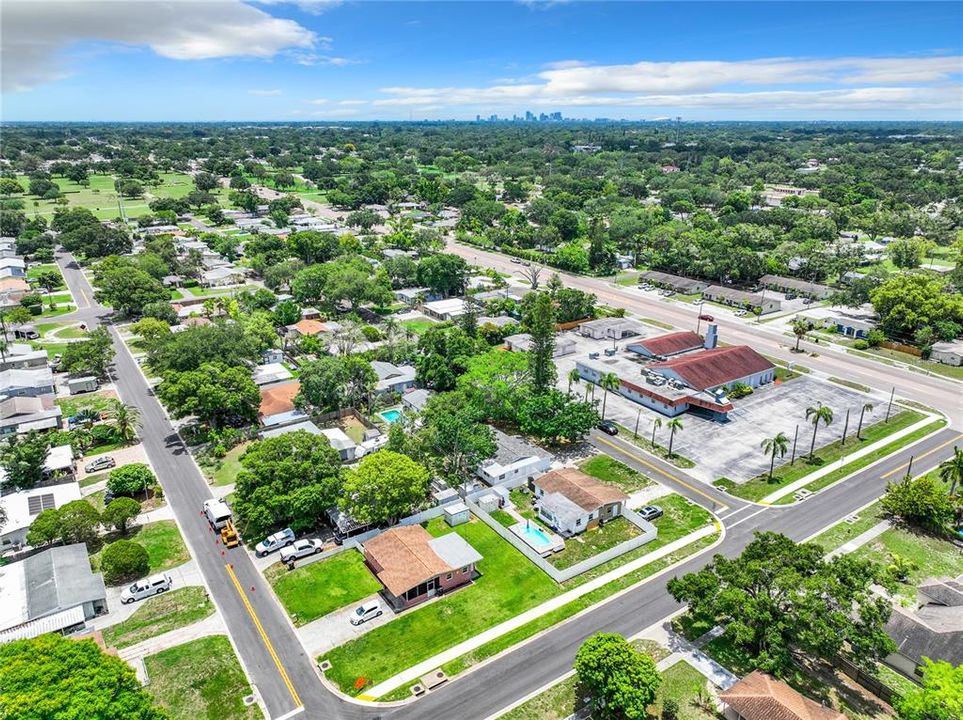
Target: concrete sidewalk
(413,673)
(845,460)
(861,539)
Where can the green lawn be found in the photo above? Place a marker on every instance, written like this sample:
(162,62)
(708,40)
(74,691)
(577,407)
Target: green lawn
(610,470)
(34,271)
(503,518)
(418,326)
(225,469)
(75,403)
(886,355)
(684,684)
(591,542)
(930,556)
(161,614)
(508,585)
(200,679)
(163,543)
(93,479)
(556,703)
(314,590)
(759,487)
(842,532)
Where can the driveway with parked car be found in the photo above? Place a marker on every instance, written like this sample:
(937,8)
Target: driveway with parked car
(335,628)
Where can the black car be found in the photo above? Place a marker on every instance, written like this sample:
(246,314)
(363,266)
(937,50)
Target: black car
(608,427)
(650,512)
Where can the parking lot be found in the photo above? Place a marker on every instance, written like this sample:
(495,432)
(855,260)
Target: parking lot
(732,449)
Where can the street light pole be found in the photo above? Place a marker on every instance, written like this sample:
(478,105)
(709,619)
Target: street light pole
(637,418)
(890,406)
(794,439)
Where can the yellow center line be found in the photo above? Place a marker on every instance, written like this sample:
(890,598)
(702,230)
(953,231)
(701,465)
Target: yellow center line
(920,457)
(656,468)
(264,637)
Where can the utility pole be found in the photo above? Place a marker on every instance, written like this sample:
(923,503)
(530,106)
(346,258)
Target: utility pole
(794,439)
(909,468)
(890,406)
(637,418)
(845,428)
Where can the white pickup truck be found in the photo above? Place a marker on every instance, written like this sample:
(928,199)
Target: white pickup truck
(300,549)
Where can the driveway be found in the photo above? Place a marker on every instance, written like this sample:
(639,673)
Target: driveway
(181,576)
(335,629)
(123,456)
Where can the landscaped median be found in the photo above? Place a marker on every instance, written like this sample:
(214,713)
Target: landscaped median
(505,605)
(762,489)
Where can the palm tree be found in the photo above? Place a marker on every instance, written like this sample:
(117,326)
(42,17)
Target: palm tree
(951,471)
(673,425)
(573,377)
(818,414)
(799,328)
(656,424)
(126,420)
(862,412)
(771,446)
(610,381)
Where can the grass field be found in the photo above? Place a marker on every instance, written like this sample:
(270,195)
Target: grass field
(163,542)
(842,532)
(418,326)
(224,470)
(610,470)
(201,679)
(314,590)
(885,354)
(160,614)
(592,542)
(93,401)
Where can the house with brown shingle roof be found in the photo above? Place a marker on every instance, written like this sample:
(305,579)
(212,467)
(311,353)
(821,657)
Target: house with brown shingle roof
(413,566)
(759,696)
(571,501)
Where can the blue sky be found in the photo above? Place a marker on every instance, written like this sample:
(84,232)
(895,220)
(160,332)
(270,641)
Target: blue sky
(326,60)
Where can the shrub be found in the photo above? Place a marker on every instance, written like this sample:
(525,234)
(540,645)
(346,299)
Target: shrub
(103,435)
(861,345)
(130,479)
(670,709)
(739,390)
(875,338)
(371,333)
(33,303)
(119,512)
(124,560)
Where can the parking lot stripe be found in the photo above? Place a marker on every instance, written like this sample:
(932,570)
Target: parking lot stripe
(264,637)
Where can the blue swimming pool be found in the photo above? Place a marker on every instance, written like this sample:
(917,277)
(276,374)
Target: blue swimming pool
(536,537)
(390,415)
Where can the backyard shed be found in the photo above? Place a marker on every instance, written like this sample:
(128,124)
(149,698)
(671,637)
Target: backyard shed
(456,514)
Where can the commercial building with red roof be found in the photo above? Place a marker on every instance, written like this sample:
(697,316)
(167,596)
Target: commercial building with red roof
(712,369)
(667,345)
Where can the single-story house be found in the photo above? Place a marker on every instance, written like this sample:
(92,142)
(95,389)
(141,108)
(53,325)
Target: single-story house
(415,295)
(13,266)
(310,313)
(52,591)
(667,345)
(571,501)
(499,322)
(278,399)
(522,342)
(413,566)
(22,506)
(934,629)
(948,353)
(272,355)
(224,275)
(339,440)
(850,327)
(305,425)
(676,283)
(393,378)
(269,373)
(23,414)
(611,328)
(715,368)
(27,383)
(416,399)
(796,286)
(288,417)
(307,327)
(740,298)
(12,290)
(20,356)
(514,459)
(759,696)
(444,309)
(172,281)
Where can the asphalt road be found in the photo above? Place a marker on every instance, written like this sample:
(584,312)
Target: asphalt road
(269,648)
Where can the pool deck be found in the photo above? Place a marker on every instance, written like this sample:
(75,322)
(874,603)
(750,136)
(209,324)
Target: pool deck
(557,544)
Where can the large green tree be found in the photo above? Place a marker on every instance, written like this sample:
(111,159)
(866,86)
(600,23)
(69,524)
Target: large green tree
(215,393)
(922,502)
(51,677)
(779,597)
(91,356)
(23,458)
(129,289)
(540,320)
(286,481)
(384,486)
(940,697)
(443,354)
(555,416)
(910,301)
(621,680)
(452,440)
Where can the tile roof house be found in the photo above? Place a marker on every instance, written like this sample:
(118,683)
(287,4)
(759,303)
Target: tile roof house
(759,696)
(307,327)
(414,566)
(934,629)
(720,366)
(278,399)
(572,502)
(667,345)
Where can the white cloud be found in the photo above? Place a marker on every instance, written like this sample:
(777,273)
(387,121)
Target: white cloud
(309,58)
(315,7)
(352,102)
(771,83)
(264,93)
(319,101)
(35,33)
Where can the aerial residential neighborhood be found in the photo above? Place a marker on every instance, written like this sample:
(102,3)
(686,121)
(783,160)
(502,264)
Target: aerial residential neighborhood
(520,360)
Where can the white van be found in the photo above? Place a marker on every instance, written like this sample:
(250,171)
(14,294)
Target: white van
(148,587)
(217,512)
(366,612)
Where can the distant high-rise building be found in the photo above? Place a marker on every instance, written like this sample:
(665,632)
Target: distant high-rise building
(542,117)
(529,116)
(557,116)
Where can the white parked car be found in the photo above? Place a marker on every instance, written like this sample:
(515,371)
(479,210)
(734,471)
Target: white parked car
(148,587)
(105,462)
(300,549)
(368,611)
(274,542)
